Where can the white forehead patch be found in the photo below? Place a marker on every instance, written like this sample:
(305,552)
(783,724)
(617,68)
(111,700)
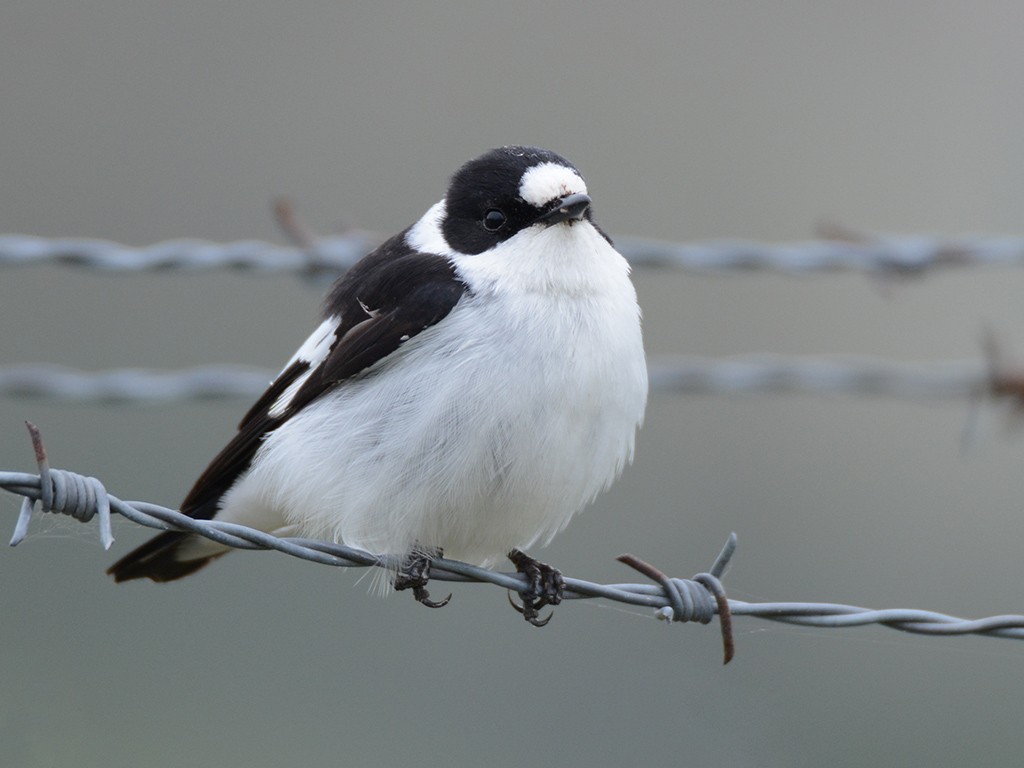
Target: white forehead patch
(548,181)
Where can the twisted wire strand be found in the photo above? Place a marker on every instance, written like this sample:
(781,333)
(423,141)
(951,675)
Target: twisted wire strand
(694,599)
(132,385)
(61,499)
(879,254)
(867,376)
(186,254)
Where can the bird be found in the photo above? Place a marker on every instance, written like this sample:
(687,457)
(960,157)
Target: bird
(475,382)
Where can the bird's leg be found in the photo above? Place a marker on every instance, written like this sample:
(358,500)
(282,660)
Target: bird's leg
(545,587)
(414,573)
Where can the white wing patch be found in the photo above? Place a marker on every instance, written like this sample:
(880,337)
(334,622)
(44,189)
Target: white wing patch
(280,406)
(312,352)
(550,181)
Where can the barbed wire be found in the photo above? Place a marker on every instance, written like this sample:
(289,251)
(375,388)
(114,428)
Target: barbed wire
(698,599)
(334,254)
(857,375)
(839,250)
(954,379)
(132,385)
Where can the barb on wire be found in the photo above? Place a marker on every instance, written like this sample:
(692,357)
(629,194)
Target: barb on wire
(957,379)
(697,599)
(877,254)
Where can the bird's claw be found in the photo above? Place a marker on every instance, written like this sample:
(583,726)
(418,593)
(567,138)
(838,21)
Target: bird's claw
(422,596)
(532,616)
(414,573)
(545,587)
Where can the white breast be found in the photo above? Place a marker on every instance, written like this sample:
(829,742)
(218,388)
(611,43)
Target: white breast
(485,432)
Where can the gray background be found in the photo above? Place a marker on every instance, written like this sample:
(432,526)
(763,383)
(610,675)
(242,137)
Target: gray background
(142,121)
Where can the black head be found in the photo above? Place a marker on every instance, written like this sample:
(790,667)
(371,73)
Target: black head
(508,189)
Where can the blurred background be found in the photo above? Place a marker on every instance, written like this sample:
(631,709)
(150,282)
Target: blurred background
(144,121)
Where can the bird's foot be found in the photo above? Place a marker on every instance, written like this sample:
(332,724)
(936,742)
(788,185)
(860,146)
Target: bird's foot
(414,573)
(545,587)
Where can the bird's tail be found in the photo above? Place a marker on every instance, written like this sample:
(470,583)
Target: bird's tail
(163,558)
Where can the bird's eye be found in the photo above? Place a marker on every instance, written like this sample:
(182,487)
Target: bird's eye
(494,220)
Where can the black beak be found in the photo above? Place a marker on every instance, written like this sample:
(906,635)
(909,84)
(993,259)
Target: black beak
(569,208)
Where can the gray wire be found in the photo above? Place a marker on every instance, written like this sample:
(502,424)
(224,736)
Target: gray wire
(187,254)
(892,255)
(242,537)
(690,375)
(908,255)
(132,385)
(83,507)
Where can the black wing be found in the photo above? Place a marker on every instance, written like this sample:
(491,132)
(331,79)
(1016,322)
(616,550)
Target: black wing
(383,301)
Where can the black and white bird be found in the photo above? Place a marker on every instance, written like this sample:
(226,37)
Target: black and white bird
(476,381)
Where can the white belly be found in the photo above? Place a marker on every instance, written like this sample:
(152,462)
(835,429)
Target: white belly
(475,446)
